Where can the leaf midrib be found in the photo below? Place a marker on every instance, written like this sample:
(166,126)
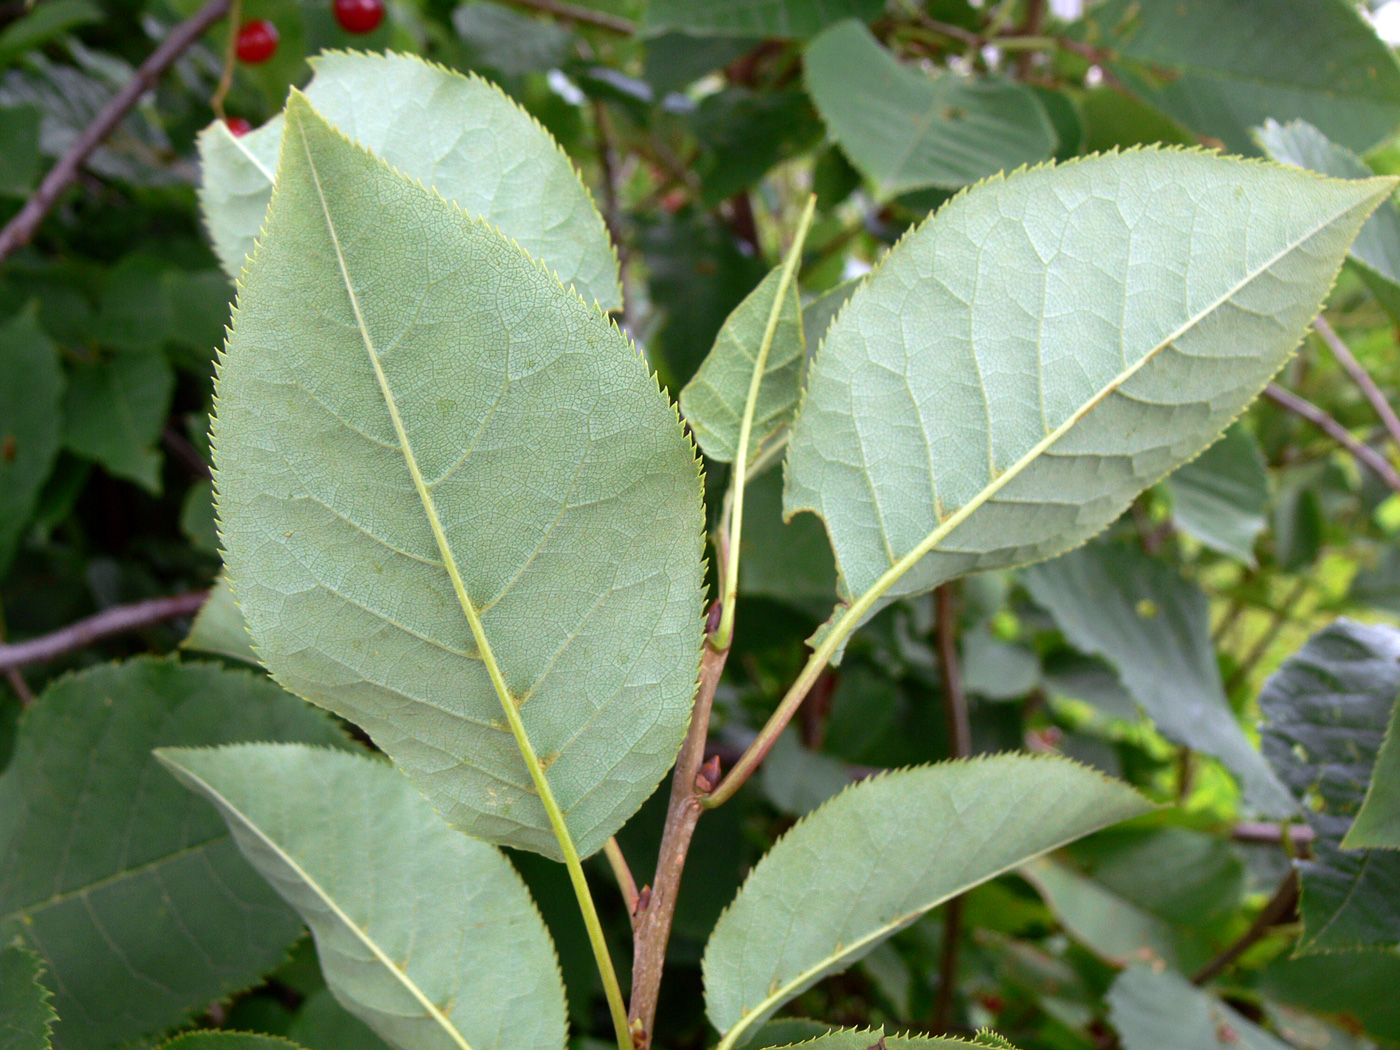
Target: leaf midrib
(360,934)
(958,517)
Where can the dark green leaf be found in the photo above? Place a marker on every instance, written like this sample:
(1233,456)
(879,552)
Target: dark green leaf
(1298,531)
(676,60)
(509,42)
(114,412)
(907,130)
(42,23)
(787,561)
(31,422)
(1357,990)
(756,18)
(1222,496)
(26,1015)
(228,1041)
(127,885)
(19,145)
(1154,627)
(1327,709)
(745,133)
(323,1024)
(1222,67)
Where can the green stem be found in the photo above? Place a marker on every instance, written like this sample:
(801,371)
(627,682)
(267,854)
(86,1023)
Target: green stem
(729,591)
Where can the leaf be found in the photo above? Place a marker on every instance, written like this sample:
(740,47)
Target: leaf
(1377,825)
(508,42)
(880,855)
(114,412)
(1115,929)
(1376,251)
(454,483)
(1115,342)
(906,130)
(219,627)
(323,1024)
(31,422)
(26,1015)
(744,133)
(797,780)
(19,142)
(756,18)
(1161,1010)
(1327,707)
(426,935)
(135,310)
(713,401)
(1221,67)
(1221,497)
(864,1039)
(821,311)
(1153,626)
(458,134)
(42,23)
(1357,990)
(228,1041)
(127,886)
(787,561)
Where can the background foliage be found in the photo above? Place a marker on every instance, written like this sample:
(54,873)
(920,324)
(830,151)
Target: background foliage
(699,129)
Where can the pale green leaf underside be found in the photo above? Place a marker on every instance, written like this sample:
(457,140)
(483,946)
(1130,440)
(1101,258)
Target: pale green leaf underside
(1222,66)
(907,130)
(1221,497)
(1024,363)
(1153,626)
(218,627)
(26,1016)
(540,466)
(128,887)
(459,134)
(1376,251)
(881,854)
(714,399)
(427,935)
(1161,1010)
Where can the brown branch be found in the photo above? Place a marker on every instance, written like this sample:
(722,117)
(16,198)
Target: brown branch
(945,627)
(1278,910)
(1360,377)
(689,786)
(1317,417)
(179,446)
(1031,26)
(119,619)
(20,686)
(20,230)
(1298,837)
(583,15)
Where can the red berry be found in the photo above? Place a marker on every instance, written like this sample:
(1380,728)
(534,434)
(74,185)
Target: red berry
(257,41)
(237,127)
(359,16)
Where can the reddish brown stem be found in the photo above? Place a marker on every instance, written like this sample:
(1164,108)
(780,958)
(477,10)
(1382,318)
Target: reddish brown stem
(653,920)
(20,230)
(1278,910)
(1305,409)
(1360,377)
(118,620)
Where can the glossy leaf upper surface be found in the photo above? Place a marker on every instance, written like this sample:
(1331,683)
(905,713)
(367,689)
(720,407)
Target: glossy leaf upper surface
(1327,708)
(416,420)
(128,887)
(426,935)
(31,423)
(881,854)
(1221,67)
(1024,363)
(26,1015)
(907,130)
(459,134)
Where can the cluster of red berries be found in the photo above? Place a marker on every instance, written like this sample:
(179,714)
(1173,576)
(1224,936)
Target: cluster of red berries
(257,40)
